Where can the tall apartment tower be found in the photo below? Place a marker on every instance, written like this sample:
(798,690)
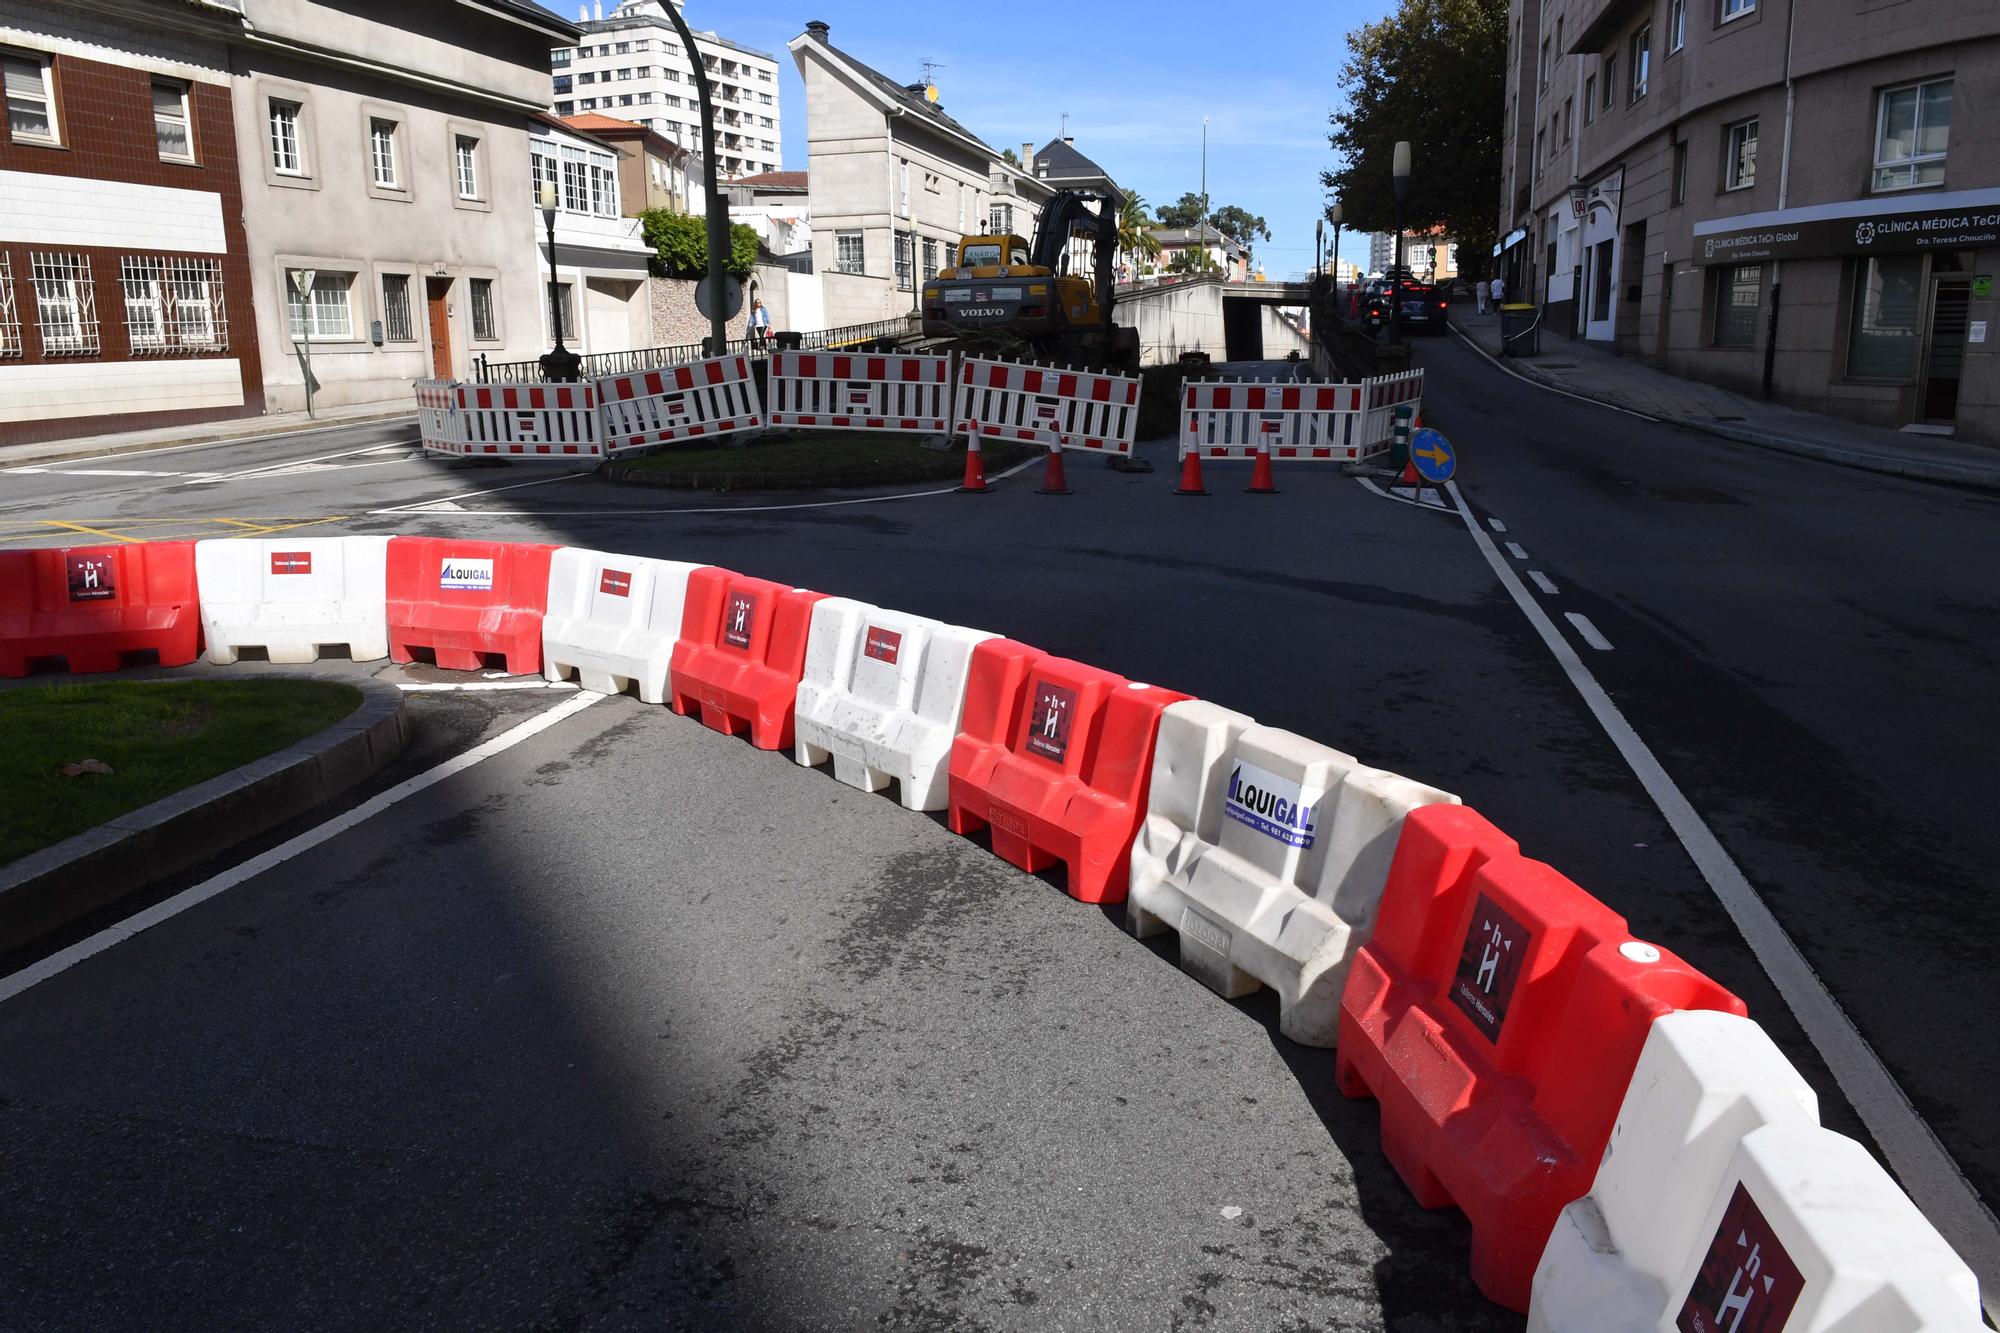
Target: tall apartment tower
(631,65)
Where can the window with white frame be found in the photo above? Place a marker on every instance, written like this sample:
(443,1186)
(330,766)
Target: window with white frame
(1911,126)
(1642,61)
(930,258)
(1589,98)
(1000,219)
(465,150)
(173,304)
(329,314)
(31,103)
(65,303)
(575,185)
(382,153)
(1677,25)
(605,191)
(397,327)
(10,313)
(287,158)
(1739,160)
(565,313)
(171,122)
(848,253)
(1736,9)
(541,169)
(482,310)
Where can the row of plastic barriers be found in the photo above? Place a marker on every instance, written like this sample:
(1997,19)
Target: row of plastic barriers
(1632,1151)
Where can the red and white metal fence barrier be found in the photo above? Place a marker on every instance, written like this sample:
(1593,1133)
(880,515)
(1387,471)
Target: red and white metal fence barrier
(437,415)
(700,400)
(857,392)
(1340,423)
(526,421)
(1381,396)
(1068,409)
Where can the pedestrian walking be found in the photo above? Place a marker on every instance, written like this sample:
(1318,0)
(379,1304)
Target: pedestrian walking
(1499,290)
(1479,291)
(760,323)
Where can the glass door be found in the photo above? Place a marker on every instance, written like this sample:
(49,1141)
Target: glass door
(1944,350)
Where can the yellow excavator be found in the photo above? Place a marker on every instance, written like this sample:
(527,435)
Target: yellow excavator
(1006,295)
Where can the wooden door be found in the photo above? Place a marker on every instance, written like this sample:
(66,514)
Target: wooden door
(436,290)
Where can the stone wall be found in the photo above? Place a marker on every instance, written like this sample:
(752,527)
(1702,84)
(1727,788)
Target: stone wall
(675,319)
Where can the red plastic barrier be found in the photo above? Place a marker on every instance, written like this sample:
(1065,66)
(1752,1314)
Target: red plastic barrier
(93,606)
(1497,1013)
(468,601)
(1055,757)
(741,653)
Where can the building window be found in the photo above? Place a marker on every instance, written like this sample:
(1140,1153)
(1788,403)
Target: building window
(848,255)
(565,313)
(1610,80)
(1540,137)
(10,314)
(466,149)
(170,121)
(1736,9)
(903,261)
(396,325)
(562,55)
(1677,25)
(575,187)
(930,258)
(173,305)
(1882,329)
(482,310)
(65,304)
(1589,99)
(1680,172)
(1000,219)
(1642,60)
(1569,119)
(1740,155)
(286,158)
(31,106)
(1737,287)
(382,152)
(328,314)
(541,169)
(1544,67)
(1910,131)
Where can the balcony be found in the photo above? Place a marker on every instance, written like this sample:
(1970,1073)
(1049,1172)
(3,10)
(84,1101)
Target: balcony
(1608,17)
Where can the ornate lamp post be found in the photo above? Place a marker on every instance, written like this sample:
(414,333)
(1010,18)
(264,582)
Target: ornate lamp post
(561,365)
(1336,215)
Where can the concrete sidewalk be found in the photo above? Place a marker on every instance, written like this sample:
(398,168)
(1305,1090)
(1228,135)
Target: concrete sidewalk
(207,432)
(1593,371)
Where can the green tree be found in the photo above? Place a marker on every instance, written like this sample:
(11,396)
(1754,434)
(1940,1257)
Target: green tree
(1011,157)
(1434,73)
(1134,236)
(1239,224)
(1185,212)
(680,242)
(1193,259)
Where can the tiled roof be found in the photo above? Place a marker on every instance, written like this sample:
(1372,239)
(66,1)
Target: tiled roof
(775,180)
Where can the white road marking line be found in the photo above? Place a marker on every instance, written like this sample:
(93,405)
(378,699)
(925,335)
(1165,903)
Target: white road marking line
(104,472)
(1498,364)
(364,424)
(467,495)
(450,687)
(1369,482)
(1591,634)
(291,464)
(1542,582)
(1514,549)
(1495,524)
(1924,1166)
(62,961)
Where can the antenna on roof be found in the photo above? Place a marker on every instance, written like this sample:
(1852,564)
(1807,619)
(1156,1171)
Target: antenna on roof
(930,67)
(1065,122)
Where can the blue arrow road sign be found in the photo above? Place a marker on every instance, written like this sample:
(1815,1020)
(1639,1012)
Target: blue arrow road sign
(1433,456)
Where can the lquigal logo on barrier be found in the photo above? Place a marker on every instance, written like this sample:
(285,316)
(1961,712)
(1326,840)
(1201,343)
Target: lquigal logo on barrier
(1049,724)
(616,582)
(291,562)
(884,645)
(737,618)
(1746,1282)
(1489,964)
(91,578)
(466,575)
(1275,806)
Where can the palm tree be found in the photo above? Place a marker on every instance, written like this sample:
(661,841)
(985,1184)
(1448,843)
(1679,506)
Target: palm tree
(1134,237)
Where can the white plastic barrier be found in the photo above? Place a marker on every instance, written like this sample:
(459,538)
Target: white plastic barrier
(294,596)
(1381,395)
(1268,853)
(526,421)
(613,620)
(437,416)
(1721,1206)
(882,694)
(699,400)
(1073,409)
(1337,423)
(854,391)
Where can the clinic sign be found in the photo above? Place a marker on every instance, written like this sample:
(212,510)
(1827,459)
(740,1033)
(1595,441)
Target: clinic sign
(1865,231)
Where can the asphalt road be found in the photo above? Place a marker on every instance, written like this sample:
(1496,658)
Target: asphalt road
(632,1019)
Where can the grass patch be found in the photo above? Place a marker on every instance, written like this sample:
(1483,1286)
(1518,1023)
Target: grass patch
(156,738)
(802,459)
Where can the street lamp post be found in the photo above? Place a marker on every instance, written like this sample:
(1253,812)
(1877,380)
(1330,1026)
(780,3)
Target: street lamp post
(303,279)
(716,214)
(560,365)
(1400,170)
(1336,215)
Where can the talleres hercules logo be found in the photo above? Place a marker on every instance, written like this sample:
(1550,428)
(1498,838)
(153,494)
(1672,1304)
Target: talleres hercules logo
(1275,806)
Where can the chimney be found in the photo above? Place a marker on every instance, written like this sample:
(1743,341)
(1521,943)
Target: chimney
(583,13)
(1028,158)
(1070,139)
(597,10)
(817,30)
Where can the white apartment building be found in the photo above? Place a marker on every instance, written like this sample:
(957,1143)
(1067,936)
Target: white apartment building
(602,287)
(632,65)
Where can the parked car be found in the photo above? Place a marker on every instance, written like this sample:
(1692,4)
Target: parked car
(1421,308)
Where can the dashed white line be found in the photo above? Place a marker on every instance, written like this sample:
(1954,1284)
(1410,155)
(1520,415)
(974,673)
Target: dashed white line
(1496,524)
(447,687)
(1542,582)
(1591,634)
(1923,1164)
(1514,549)
(62,961)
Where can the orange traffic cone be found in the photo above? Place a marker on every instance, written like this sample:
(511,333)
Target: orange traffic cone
(1261,480)
(975,466)
(1191,475)
(1410,477)
(1053,481)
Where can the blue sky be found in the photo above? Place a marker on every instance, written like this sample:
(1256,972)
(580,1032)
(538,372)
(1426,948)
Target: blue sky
(1135,80)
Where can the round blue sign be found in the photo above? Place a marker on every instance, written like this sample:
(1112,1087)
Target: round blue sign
(1432,454)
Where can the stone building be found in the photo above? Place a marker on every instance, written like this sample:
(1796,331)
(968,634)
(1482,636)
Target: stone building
(1796,200)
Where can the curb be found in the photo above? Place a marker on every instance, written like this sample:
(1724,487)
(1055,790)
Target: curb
(48,889)
(630,474)
(1916,469)
(114,449)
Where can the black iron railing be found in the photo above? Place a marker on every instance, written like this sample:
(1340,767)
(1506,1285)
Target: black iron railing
(645,358)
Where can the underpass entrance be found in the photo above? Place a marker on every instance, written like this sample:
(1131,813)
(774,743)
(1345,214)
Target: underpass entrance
(1242,330)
